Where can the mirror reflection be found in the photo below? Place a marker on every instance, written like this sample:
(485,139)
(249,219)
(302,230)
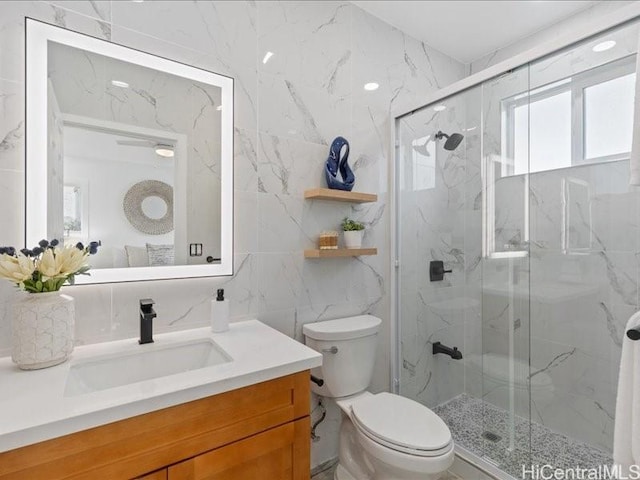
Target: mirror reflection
(134,161)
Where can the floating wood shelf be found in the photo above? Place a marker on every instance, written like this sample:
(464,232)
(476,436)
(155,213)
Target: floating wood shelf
(341,252)
(340,195)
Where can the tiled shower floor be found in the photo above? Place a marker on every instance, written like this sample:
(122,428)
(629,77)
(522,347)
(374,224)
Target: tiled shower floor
(467,417)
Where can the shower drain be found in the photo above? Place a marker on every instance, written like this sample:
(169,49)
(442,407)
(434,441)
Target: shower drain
(492,437)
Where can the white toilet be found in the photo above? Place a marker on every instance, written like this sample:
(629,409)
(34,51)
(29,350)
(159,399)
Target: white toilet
(383,436)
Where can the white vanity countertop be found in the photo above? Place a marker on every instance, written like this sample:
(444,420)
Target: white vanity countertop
(33,407)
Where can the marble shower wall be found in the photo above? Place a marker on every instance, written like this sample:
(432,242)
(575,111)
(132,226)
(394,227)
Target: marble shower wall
(287,111)
(440,213)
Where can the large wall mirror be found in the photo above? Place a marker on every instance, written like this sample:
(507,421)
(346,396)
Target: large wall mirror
(132,150)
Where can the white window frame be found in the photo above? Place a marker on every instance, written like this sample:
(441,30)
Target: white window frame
(576,84)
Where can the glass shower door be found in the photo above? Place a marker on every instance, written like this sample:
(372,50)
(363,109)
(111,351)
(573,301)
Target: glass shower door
(505,288)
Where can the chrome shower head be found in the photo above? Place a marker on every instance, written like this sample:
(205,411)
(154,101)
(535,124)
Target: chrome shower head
(453,140)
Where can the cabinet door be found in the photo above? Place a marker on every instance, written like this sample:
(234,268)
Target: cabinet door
(157,475)
(281,453)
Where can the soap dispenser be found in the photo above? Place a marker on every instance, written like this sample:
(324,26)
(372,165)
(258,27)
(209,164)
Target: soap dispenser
(219,313)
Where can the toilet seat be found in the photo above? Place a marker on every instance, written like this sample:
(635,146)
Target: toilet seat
(402,425)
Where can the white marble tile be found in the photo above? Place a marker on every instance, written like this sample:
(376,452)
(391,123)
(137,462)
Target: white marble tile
(404,68)
(12,26)
(12,216)
(283,320)
(288,166)
(280,281)
(100,9)
(226,30)
(245,76)
(326,447)
(92,313)
(326,282)
(280,223)
(245,224)
(288,109)
(12,125)
(309,42)
(370,148)
(7,294)
(245,161)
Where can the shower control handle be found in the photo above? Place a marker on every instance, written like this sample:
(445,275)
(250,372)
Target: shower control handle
(437,271)
(333,350)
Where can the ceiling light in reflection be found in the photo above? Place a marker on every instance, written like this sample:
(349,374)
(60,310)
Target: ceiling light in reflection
(219,108)
(439,108)
(119,83)
(471,129)
(371,86)
(603,46)
(164,151)
(267,56)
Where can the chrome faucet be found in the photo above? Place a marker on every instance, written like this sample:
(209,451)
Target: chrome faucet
(147,314)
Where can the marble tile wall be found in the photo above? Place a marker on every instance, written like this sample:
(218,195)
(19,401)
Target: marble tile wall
(438,194)
(287,111)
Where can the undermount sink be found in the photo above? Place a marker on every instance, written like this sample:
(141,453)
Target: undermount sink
(140,363)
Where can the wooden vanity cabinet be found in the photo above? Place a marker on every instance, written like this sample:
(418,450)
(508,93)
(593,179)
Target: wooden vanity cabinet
(256,432)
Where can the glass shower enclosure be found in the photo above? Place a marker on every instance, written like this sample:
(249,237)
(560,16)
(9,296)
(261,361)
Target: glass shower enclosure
(537,227)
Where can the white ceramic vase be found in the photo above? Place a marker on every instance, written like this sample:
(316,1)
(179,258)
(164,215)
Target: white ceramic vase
(42,329)
(353,239)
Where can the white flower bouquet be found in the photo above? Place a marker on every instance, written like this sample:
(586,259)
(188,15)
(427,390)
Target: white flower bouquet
(47,267)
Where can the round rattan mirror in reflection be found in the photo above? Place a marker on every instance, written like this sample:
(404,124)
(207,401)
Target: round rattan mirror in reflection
(134,212)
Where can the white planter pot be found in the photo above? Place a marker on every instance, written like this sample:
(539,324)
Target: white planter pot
(353,239)
(42,329)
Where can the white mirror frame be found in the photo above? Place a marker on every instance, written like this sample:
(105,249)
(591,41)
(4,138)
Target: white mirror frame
(38,35)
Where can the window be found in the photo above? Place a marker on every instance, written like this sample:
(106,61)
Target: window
(586,118)
(75,212)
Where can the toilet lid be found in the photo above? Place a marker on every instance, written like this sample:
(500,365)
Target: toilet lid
(401,422)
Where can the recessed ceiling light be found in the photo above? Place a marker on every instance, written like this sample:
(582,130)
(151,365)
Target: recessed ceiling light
(119,83)
(439,108)
(164,151)
(601,47)
(371,86)
(267,56)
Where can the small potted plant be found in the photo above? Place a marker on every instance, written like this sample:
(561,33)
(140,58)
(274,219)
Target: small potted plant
(43,319)
(352,233)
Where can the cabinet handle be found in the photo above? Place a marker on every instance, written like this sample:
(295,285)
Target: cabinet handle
(330,350)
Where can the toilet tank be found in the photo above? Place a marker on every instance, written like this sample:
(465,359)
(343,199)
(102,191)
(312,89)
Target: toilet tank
(348,347)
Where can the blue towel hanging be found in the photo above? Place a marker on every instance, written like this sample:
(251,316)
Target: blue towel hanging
(336,163)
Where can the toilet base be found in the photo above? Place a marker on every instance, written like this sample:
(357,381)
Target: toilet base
(342,474)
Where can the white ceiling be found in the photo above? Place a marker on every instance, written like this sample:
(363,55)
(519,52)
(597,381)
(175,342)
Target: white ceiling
(468,30)
(90,144)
